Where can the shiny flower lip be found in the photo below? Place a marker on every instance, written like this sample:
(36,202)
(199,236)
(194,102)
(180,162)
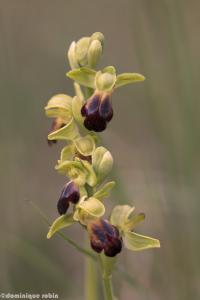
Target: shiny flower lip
(97,111)
(104,237)
(70,193)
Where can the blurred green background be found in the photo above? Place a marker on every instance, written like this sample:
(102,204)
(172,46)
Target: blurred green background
(154,138)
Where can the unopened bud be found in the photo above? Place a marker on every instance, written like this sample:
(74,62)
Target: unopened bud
(94,53)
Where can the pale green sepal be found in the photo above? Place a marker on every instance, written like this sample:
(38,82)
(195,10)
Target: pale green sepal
(85,145)
(105,81)
(102,162)
(84,76)
(68,132)
(74,170)
(59,106)
(137,242)
(72,56)
(94,53)
(120,216)
(77,104)
(104,192)
(133,221)
(91,178)
(67,153)
(127,78)
(61,222)
(87,210)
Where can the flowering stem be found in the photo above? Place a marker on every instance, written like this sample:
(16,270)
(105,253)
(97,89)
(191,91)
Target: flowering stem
(91,281)
(107,265)
(108,287)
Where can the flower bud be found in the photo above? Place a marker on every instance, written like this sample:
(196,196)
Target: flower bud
(104,236)
(102,162)
(97,111)
(94,53)
(70,193)
(72,56)
(98,36)
(86,51)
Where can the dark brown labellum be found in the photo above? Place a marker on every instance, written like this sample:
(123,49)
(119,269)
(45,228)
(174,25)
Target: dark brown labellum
(70,193)
(97,111)
(104,236)
(62,206)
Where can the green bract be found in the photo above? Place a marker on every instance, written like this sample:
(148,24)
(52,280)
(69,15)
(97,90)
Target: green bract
(122,217)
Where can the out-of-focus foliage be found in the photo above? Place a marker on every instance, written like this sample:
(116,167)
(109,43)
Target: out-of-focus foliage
(154,139)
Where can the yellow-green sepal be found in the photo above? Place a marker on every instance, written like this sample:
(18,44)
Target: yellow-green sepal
(59,106)
(67,153)
(88,209)
(91,177)
(84,76)
(138,242)
(121,215)
(74,170)
(68,132)
(85,145)
(127,78)
(133,221)
(60,223)
(104,192)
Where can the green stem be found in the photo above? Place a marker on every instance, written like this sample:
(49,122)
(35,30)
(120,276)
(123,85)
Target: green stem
(108,287)
(107,265)
(91,280)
